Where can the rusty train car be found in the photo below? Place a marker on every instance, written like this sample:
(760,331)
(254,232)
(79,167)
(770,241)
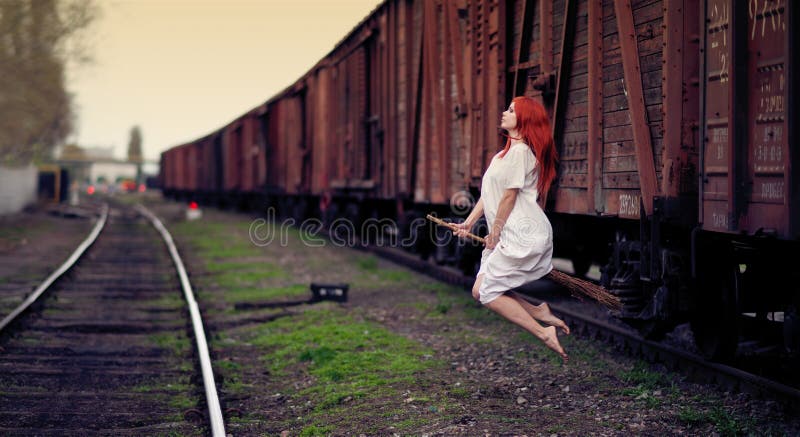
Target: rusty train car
(675,122)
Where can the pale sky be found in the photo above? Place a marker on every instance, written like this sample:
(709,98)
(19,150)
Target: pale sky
(182,68)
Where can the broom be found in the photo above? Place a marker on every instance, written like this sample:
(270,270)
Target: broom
(578,287)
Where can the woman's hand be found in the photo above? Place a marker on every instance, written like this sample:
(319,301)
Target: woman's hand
(463,229)
(491,240)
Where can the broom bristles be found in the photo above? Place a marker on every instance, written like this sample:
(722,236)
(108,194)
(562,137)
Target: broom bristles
(578,287)
(582,287)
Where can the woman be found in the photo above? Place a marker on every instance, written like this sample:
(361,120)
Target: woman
(519,246)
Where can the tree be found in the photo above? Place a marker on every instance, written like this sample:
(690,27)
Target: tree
(37,40)
(135,151)
(135,145)
(73,152)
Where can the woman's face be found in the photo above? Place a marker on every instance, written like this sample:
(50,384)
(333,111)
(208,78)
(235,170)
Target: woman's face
(509,119)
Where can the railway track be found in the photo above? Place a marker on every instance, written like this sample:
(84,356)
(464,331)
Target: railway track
(107,347)
(589,323)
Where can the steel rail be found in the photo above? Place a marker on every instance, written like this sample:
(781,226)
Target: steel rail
(214,410)
(60,271)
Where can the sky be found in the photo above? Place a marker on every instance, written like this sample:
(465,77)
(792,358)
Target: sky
(180,69)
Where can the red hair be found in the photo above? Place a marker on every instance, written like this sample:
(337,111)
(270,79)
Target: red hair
(533,126)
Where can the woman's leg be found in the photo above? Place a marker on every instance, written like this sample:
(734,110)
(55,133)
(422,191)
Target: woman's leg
(540,312)
(512,310)
(476,288)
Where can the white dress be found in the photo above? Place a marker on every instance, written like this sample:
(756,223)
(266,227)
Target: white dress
(525,250)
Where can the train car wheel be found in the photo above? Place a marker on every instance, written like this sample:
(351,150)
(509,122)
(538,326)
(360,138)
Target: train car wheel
(715,321)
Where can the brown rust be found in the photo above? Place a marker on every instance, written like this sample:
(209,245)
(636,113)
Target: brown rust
(595,109)
(636,104)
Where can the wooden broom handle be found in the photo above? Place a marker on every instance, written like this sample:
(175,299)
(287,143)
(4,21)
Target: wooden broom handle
(454,228)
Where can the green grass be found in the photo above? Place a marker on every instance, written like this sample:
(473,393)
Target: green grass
(231,375)
(316,430)
(246,278)
(168,301)
(390,275)
(243,266)
(266,293)
(724,422)
(349,359)
(642,376)
(182,402)
(459,393)
(231,261)
(367,263)
(642,383)
(178,344)
(412,423)
(217,240)
(690,415)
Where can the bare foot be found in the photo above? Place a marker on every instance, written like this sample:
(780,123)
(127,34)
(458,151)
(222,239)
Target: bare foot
(550,339)
(547,317)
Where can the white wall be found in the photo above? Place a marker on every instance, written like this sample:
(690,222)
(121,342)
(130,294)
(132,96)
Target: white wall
(17,188)
(112,170)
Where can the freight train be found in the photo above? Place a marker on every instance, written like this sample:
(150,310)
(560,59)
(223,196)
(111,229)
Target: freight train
(675,122)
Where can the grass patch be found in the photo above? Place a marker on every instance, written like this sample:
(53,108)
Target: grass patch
(242,266)
(350,360)
(645,384)
(459,392)
(265,294)
(367,263)
(215,240)
(246,278)
(724,422)
(642,376)
(690,416)
(388,275)
(231,375)
(178,344)
(315,430)
(412,423)
(168,301)
(440,287)
(442,307)
(182,402)
(341,348)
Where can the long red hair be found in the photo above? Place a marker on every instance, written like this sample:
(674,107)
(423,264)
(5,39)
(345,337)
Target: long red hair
(533,126)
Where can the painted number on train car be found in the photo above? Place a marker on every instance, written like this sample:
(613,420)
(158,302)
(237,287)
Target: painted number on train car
(767,100)
(719,136)
(772,190)
(718,36)
(763,9)
(719,221)
(629,205)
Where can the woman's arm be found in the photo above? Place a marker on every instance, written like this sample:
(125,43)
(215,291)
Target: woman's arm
(503,211)
(476,213)
(473,217)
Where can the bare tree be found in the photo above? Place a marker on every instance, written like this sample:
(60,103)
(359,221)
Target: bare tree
(37,40)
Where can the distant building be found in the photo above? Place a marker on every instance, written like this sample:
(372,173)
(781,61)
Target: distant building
(111,171)
(98,165)
(99,153)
